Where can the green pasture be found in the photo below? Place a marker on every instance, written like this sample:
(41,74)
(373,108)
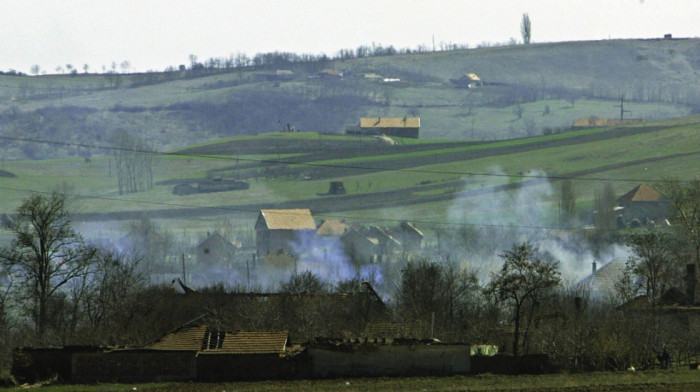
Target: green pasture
(95,182)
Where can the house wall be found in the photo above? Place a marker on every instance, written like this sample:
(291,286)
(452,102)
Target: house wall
(272,240)
(389,360)
(133,366)
(33,364)
(657,211)
(359,249)
(223,367)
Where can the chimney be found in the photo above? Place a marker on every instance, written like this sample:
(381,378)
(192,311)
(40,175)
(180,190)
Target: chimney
(595,267)
(692,287)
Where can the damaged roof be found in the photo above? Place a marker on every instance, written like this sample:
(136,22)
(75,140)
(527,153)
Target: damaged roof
(204,340)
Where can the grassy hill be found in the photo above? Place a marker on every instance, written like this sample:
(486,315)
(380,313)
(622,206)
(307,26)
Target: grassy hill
(56,131)
(432,182)
(528,88)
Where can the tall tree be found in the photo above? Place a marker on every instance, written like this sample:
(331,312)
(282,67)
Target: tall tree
(133,161)
(523,279)
(685,200)
(568,202)
(654,261)
(46,253)
(526,28)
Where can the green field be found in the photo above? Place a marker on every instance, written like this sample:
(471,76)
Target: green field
(418,181)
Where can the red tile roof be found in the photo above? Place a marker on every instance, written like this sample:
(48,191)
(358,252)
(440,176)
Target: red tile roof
(206,341)
(642,192)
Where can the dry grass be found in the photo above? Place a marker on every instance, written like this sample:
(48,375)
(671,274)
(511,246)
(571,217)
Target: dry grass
(674,380)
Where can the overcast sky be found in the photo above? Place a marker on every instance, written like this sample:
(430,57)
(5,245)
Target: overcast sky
(153,34)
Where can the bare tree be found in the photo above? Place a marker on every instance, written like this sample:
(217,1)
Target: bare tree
(526,28)
(653,260)
(133,162)
(35,69)
(568,202)
(523,279)
(46,254)
(685,200)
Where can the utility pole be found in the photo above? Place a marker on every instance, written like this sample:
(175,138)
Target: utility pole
(622,109)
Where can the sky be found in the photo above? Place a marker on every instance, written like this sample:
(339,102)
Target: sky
(154,34)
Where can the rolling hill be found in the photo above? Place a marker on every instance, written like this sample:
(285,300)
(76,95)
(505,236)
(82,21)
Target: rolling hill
(528,89)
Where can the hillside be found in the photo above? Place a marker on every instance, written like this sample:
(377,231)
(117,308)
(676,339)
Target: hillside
(528,90)
(420,181)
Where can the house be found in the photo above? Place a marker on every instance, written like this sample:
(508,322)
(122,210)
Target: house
(191,352)
(332,227)
(468,80)
(359,247)
(595,122)
(205,340)
(643,201)
(601,282)
(390,126)
(214,250)
(409,236)
(330,73)
(280,229)
(386,241)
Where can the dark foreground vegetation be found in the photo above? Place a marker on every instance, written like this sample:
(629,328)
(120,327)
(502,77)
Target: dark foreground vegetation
(677,380)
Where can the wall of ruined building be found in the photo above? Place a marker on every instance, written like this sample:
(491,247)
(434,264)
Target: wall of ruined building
(388,360)
(134,366)
(251,367)
(30,365)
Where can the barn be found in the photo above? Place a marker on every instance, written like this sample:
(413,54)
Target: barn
(390,126)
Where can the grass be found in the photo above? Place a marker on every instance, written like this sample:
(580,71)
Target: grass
(92,180)
(600,381)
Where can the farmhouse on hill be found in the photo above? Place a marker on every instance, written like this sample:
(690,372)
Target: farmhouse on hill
(390,126)
(643,201)
(279,229)
(468,80)
(595,122)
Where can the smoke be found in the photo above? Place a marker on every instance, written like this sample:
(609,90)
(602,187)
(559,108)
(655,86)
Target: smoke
(498,218)
(324,257)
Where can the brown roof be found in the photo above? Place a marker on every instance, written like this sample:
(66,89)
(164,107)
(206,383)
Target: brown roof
(472,76)
(187,338)
(204,340)
(641,192)
(261,342)
(291,219)
(332,227)
(390,122)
